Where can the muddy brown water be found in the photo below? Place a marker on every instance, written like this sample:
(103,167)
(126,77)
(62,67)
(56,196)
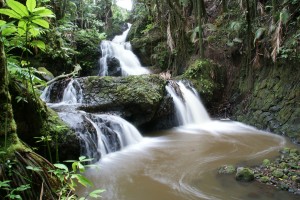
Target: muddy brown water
(182,164)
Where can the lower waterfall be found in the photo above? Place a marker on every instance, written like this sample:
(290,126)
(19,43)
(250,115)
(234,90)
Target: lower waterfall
(99,134)
(189,109)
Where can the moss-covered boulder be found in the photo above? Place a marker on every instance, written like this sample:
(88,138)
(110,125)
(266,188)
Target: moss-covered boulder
(138,99)
(244,174)
(227,169)
(207,78)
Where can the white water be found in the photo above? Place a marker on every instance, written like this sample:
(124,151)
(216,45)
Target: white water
(100,134)
(189,109)
(108,134)
(120,49)
(72,93)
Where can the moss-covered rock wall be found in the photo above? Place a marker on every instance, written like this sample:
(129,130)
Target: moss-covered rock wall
(274,102)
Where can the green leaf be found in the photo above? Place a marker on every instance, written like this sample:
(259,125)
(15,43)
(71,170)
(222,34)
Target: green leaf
(18,7)
(9,30)
(41,22)
(4,184)
(284,16)
(82,180)
(62,166)
(259,33)
(39,44)
(43,12)
(36,169)
(10,13)
(31,4)
(2,22)
(34,31)
(23,187)
(22,26)
(96,193)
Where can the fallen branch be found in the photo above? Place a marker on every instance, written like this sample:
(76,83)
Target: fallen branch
(77,68)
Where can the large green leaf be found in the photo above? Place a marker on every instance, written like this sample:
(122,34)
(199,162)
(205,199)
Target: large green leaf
(9,30)
(22,26)
(43,12)
(31,4)
(10,13)
(41,22)
(18,7)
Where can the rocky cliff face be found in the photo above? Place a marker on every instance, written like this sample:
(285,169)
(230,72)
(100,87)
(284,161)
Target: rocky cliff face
(273,104)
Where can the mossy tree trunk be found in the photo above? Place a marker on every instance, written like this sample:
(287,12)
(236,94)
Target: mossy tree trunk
(8,137)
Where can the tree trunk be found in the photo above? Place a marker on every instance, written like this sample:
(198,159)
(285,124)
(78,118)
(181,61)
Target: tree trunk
(274,9)
(224,6)
(7,123)
(199,17)
(249,46)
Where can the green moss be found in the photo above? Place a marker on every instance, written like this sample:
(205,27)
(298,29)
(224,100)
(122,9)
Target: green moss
(203,74)
(13,144)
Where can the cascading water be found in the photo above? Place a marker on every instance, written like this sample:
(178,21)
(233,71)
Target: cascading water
(118,50)
(99,134)
(189,109)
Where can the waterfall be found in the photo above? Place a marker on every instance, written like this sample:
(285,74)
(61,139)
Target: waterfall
(118,59)
(189,109)
(99,134)
(72,94)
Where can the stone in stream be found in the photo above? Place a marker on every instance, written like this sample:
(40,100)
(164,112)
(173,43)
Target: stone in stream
(244,174)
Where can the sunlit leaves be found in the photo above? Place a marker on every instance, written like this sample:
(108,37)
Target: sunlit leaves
(39,44)
(41,22)
(10,13)
(17,7)
(31,4)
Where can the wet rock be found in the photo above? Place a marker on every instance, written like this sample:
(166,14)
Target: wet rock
(278,173)
(226,169)
(114,68)
(140,100)
(244,174)
(264,179)
(266,162)
(45,74)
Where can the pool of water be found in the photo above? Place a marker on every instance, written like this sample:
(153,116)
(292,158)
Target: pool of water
(182,164)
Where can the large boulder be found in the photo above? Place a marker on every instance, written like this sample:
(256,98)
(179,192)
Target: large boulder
(141,100)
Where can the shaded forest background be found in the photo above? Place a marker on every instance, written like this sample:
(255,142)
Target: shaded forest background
(242,56)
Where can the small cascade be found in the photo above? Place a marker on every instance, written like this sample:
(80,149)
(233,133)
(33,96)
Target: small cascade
(101,134)
(189,109)
(72,94)
(118,59)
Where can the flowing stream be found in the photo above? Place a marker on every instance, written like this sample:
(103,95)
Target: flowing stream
(182,163)
(176,164)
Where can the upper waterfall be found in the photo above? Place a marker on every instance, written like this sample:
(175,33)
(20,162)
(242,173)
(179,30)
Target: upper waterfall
(118,59)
